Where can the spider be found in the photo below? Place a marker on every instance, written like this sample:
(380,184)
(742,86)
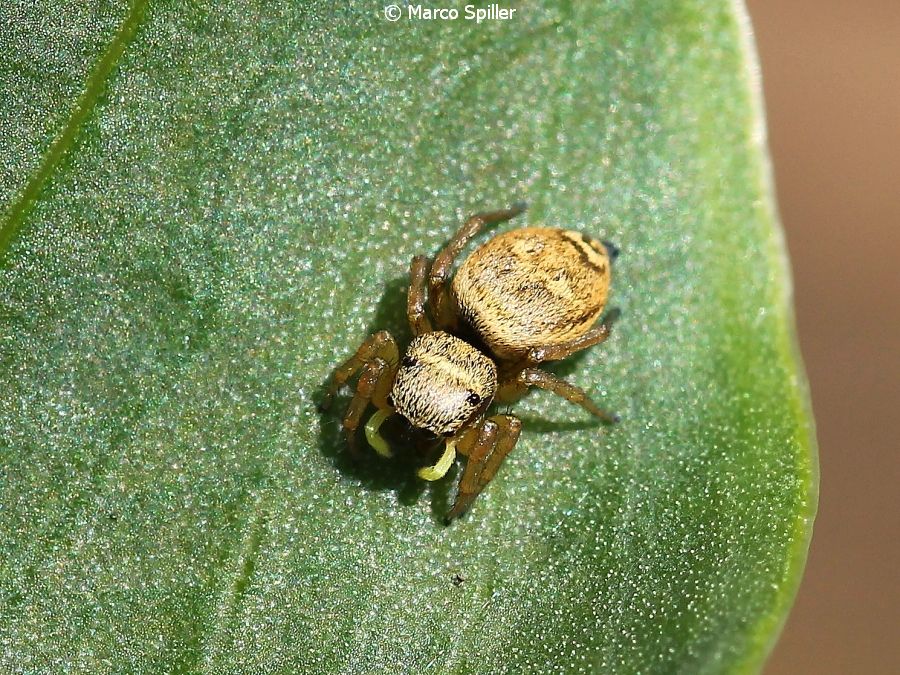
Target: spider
(525,297)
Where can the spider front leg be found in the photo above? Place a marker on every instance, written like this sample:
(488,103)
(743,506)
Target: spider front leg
(378,359)
(438,293)
(380,345)
(486,445)
(373,387)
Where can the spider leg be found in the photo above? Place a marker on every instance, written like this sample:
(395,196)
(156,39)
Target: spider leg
(373,386)
(438,292)
(482,444)
(380,345)
(532,377)
(594,336)
(416,297)
(496,437)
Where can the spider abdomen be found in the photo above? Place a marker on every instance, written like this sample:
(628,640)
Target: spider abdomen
(532,287)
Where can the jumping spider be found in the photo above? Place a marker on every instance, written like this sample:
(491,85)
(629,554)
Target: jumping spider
(524,297)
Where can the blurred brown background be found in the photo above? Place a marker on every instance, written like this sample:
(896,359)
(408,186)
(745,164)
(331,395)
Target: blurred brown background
(831,75)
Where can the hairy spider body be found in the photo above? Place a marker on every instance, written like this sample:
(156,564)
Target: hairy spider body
(532,287)
(524,297)
(462,382)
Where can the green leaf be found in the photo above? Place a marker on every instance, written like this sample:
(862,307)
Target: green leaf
(205,208)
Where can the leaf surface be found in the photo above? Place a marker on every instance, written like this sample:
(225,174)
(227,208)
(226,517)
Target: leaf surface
(205,208)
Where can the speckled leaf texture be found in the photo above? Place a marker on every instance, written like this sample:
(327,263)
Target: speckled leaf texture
(204,207)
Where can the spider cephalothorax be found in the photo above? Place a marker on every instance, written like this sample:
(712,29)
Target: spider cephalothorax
(461,382)
(522,298)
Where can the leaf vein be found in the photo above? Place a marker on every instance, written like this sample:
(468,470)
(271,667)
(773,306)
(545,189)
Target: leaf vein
(96,83)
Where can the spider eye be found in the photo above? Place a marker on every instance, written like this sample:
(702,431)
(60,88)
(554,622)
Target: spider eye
(473,398)
(408,361)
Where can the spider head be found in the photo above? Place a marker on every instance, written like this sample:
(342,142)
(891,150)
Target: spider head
(442,383)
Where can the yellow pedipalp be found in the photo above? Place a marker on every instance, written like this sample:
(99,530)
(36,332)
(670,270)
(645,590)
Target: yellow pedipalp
(372,435)
(440,469)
